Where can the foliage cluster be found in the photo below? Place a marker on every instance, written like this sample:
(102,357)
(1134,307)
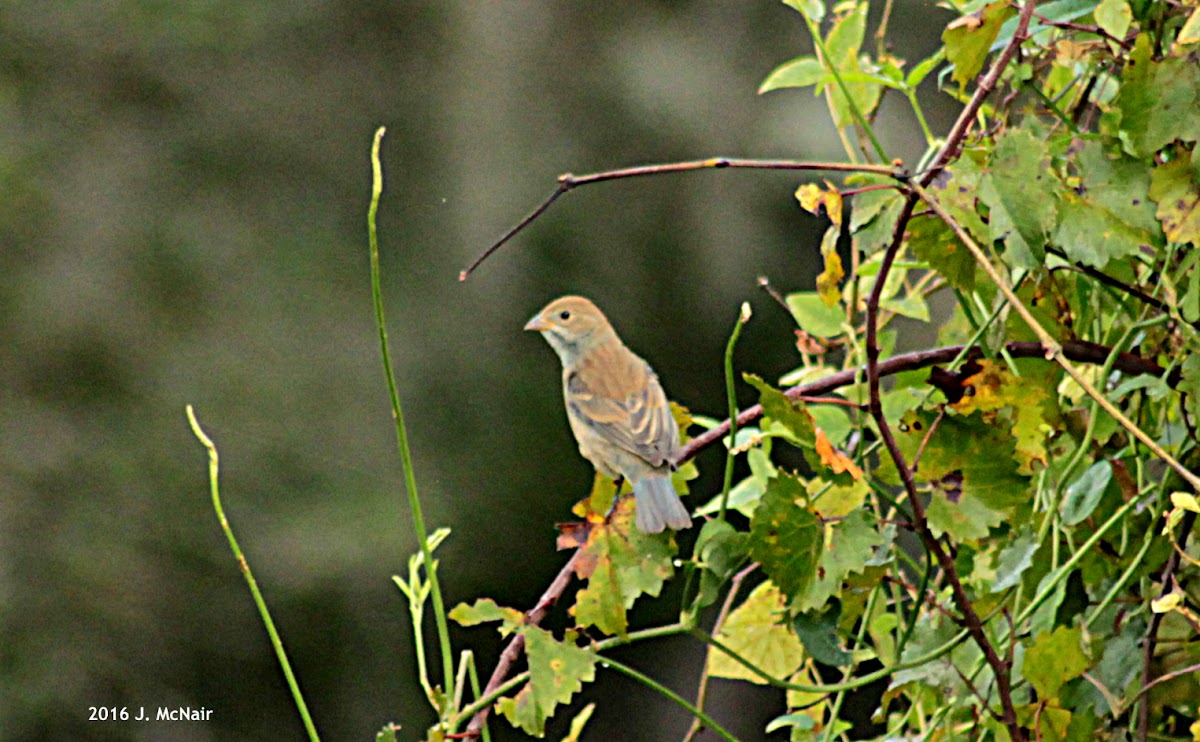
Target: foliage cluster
(998,529)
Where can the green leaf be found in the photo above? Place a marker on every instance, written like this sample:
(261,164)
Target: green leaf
(1120,185)
(972,447)
(1084,494)
(791,414)
(934,243)
(818,633)
(859,77)
(1118,666)
(873,216)
(1054,659)
(1092,236)
(1022,191)
(833,420)
(969,39)
(928,635)
(1174,186)
(1048,721)
(1159,100)
(965,520)
(1114,16)
(849,545)
(1044,617)
(758,631)
(800,72)
(797,720)
(486,610)
(814,316)
(922,70)
(1189,383)
(1190,307)
(578,723)
(786,538)
(912,306)
(814,10)
(846,36)
(721,549)
(1014,559)
(557,671)
(867,205)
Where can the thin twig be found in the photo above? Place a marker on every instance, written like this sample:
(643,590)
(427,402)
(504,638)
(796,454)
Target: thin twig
(1150,644)
(916,462)
(735,585)
(1053,347)
(962,125)
(1108,280)
(569,181)
(949,152)
(517,644)
(1076,350)
(1085,28)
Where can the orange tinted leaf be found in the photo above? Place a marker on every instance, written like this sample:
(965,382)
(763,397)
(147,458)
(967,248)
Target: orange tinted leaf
(620,564)
(835,459)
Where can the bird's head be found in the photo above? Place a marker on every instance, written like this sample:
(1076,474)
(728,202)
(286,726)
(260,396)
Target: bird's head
(572,325)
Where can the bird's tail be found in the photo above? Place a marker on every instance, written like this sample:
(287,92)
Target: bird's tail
(658,506)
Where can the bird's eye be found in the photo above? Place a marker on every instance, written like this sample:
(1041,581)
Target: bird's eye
(564,315)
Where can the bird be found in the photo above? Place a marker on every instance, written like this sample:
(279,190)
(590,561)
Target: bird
(616,407)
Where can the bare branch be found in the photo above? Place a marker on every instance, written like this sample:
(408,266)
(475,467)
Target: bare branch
(568,181)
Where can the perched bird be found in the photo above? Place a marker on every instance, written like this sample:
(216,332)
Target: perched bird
(616,408)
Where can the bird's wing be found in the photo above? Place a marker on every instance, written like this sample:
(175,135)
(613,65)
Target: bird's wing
(634,415)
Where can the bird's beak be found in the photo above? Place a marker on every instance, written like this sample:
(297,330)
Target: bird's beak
(537,324)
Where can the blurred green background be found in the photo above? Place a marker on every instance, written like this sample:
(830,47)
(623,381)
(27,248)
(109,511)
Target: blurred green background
(183,221)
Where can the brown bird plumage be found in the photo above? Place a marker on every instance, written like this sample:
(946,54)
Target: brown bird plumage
(616,408)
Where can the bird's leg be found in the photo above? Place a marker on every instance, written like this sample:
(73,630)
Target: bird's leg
(616,498)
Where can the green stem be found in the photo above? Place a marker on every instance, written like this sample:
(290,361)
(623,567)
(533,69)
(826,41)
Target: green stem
(912,101)
(1135,565)
(854,110)
(410,481)
(858,682)
(1065,569)
(672,695)
(214,468)
(487,700)
(476,689)
(731,396)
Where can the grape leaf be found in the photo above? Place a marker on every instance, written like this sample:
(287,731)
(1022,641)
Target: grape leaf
(847,546)
(1174,187)
(1020,188)
(758,631)
(557,671)
(786,538)
(620,564)
(969,39)
(1159,100)
(1055,658)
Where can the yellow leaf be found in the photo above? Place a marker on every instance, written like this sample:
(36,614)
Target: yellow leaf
(1190,34)
(757,630)
(1166,603)
(1185,501)
(831,276)
(812,198)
